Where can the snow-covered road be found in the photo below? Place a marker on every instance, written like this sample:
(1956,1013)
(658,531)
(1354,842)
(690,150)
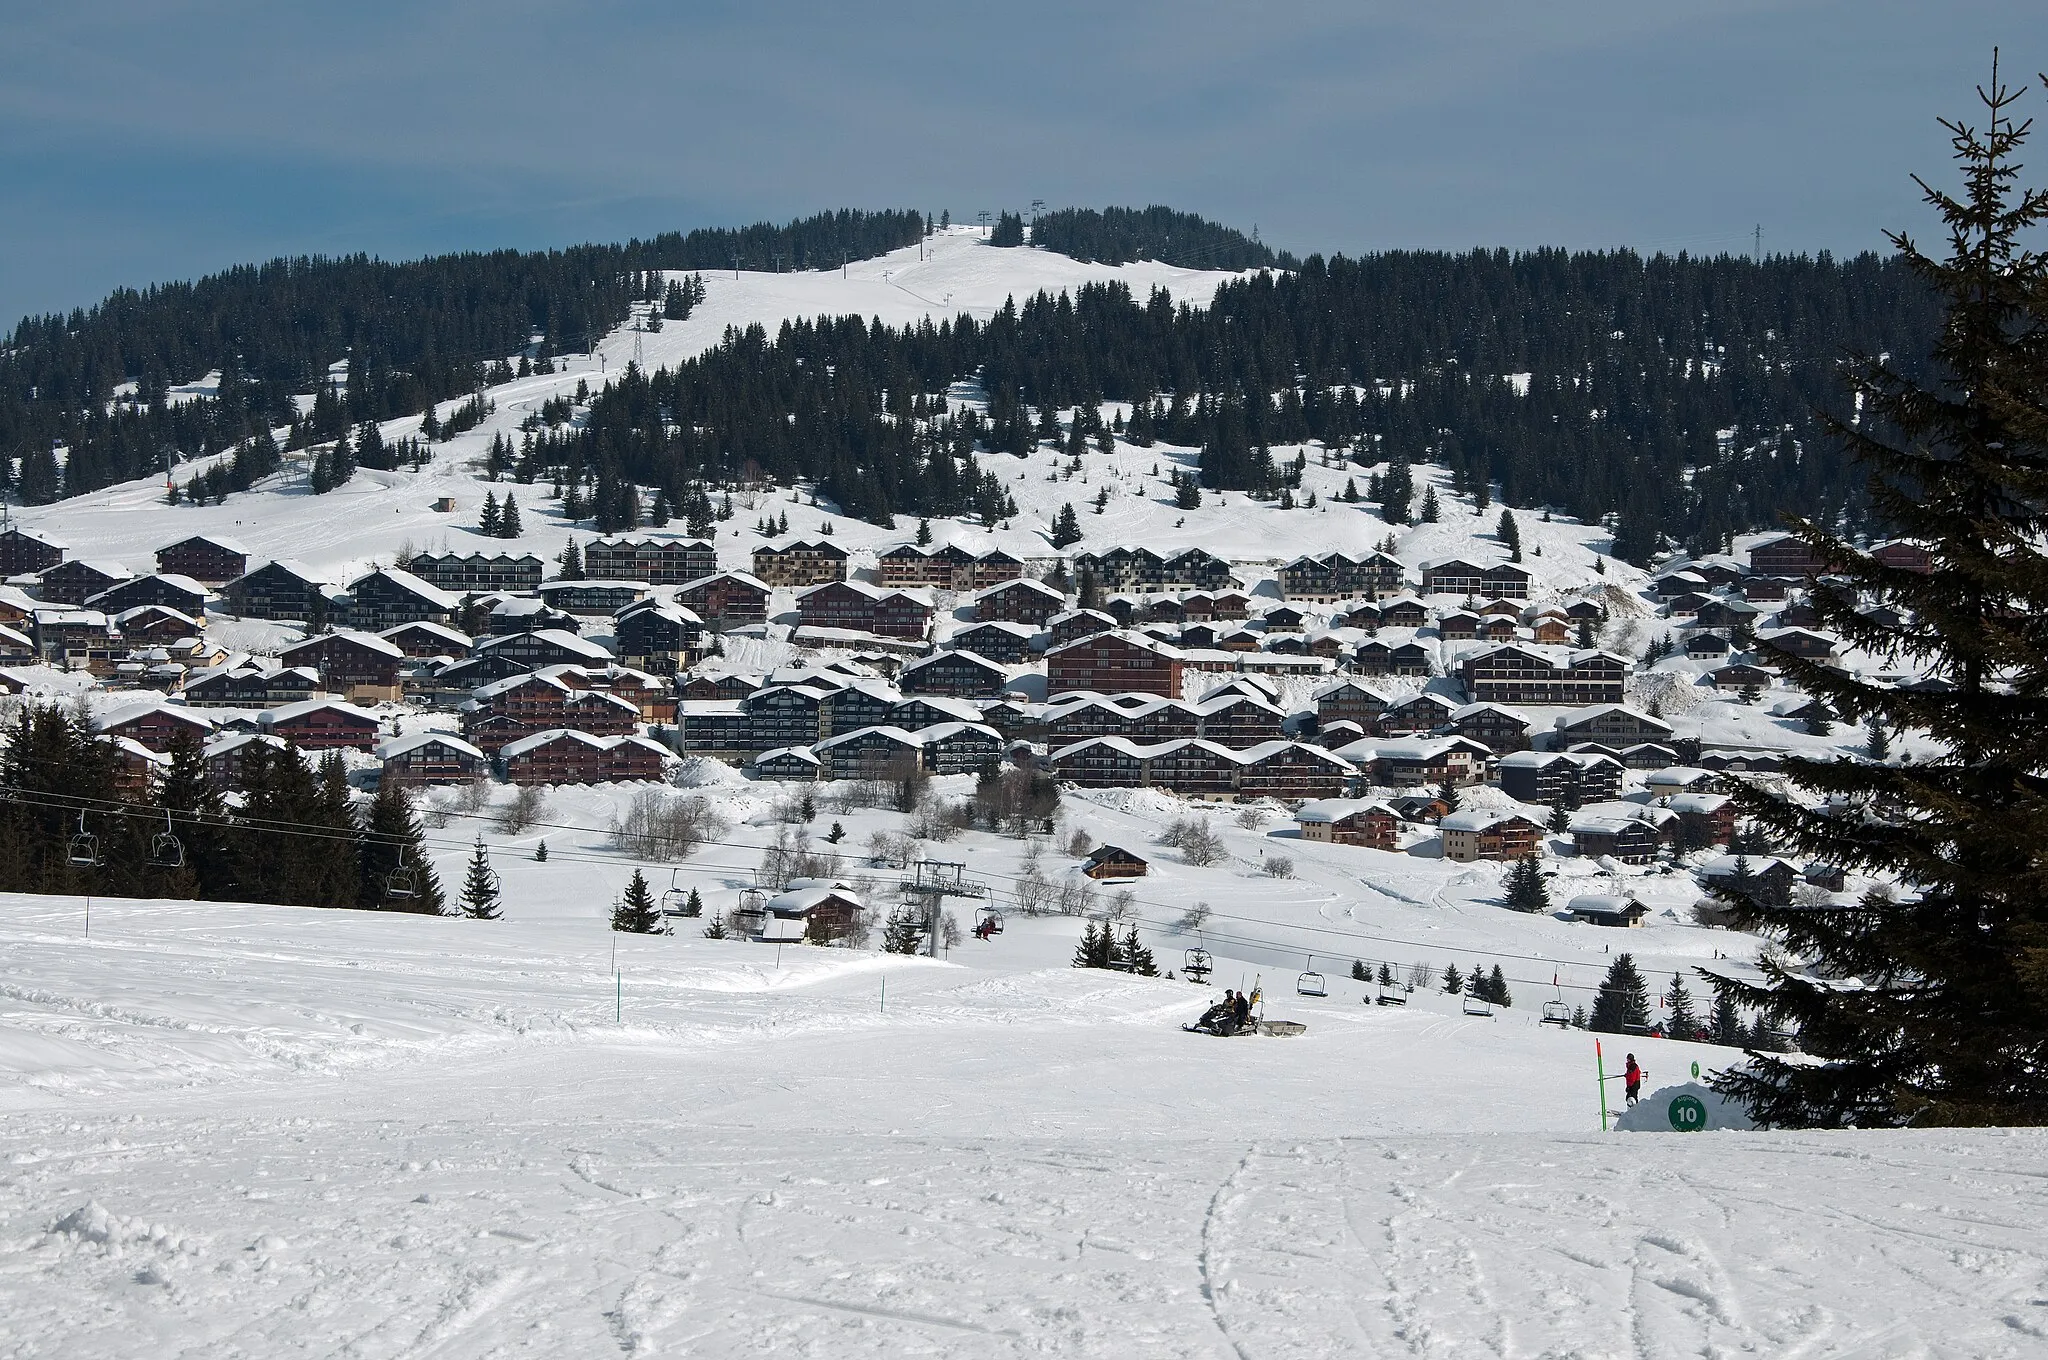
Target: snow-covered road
(257,1131)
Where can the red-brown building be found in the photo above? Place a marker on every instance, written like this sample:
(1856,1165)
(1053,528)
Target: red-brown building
(568,757)
(322,725)
(207,558)
(726,600)
(865,608)
(156,726)
(361,666)
(1117,662)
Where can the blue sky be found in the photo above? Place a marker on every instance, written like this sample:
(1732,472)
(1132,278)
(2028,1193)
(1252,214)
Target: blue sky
(150,141)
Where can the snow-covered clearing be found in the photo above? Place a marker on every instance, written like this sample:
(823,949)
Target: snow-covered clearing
(253,1130)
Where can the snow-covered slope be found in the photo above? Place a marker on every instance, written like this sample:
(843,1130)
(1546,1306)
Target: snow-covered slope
(248,1130)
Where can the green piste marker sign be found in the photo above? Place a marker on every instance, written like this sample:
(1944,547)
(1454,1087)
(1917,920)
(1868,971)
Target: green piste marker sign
(1687,1115)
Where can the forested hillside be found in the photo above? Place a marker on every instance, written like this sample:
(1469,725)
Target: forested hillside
(1675,394)
(411,333)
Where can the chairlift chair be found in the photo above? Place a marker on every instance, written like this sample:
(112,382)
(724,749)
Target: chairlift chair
(1391,994)
(166,851)
(1310,983)
(1197,965)
(402,881)
(674,899)
(1476,1006)
(989,921)
(85,847)
(1557,1013)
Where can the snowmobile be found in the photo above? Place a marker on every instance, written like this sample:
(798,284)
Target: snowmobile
(1220,1021)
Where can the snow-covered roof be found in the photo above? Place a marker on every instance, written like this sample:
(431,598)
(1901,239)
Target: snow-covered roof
(413,741)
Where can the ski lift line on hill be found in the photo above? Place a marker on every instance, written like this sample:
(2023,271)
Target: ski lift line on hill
(1310,982)
(28,798)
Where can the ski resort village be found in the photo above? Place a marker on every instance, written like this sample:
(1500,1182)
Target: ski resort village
(486,903)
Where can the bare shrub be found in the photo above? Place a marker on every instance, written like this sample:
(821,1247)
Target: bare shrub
(892,848)
(1251,818)
(529,804)
(1074,897)
(1035,896)
(1079,842)
(1421,977)
(1201,846)
(658,825)
(935,820)
(1278,866)
(789,856)
(1195,917)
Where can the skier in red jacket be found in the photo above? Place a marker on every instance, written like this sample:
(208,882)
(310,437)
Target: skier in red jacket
(1632,1079)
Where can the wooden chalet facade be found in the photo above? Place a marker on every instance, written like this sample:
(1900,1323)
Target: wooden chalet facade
(207,558)
(1115,663)
(432,758)
(25,551)
(466,573)
(322,725)
(671,562)
(865,608)
(358,666)
(799,564)
(278,590)
(1349,821)
(727,600)
(1020,601)
(945,568)
(76,581)
(569,757)
(1477,835)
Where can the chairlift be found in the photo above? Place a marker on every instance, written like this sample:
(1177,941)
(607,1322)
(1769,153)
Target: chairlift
(166,851)
(1310,983)
(401,881)
(1557,1013)
(1197,965)
(85,847)
(989,921)
(1391,994)
(674,901)
(1477,1006)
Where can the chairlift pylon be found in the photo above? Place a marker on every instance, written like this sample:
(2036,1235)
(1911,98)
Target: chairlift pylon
(1310,983)
(85,847)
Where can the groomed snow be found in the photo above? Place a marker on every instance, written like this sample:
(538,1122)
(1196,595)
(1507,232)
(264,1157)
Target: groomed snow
(257,1130)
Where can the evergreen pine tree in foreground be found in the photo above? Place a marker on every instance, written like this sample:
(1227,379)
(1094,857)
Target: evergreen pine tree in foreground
(480,890)
(1949,1021)
(1623,1002)
(635,913)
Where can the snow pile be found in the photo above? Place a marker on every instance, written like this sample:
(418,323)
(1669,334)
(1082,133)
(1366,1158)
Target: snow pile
(1655,1113)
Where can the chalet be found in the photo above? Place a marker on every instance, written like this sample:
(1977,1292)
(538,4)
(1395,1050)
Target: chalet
(1416,761)
(1495,628)
(227,757)
(360,667)
(593,598)
(1118,662)
(1559,778)
(208,558)
(1237,720)
(945,568)
(1142,570)
(321,725)
(1349,700)
(800,563)
(428,641)
(783,715)
(1524,674)
(662,638)
(134,767)
(281,590)
(1283,619)
(1377,658)
(16,605)
(1550,630)
(1101,763)
(670,562)
(1626,838)
(251,686)
(1706,647)
(722,685)
(869,609)
(1740,676)
(157,726)
(1291,772)
(1403,611)
(24,551)
(1421,808)
(1076,624)
(1704,818)
(1454,576)
(16,648)
(526,614)
(1458,626)
(814,909)
(1768,880)
(154,625)
(1142,720)
(566,757)
(788,762)
(77,580)
(1020,601)
(1010,643)
(1334,576)
(1495,726)
(509,709)
(431,758)
(1423,712)
(864,703)
(920,711)
(1349,821)
(1799,642)
(542,647)
(478,573)
(871,753)
(1477,834)
(959,747)
(388,597)
(75,639)
(1609,723)
(729,599)
(1784,556)
(1902,555)
(1112,863)
(181,593)
(959,673)
(650,695)
(1606,909)
(1726,614)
